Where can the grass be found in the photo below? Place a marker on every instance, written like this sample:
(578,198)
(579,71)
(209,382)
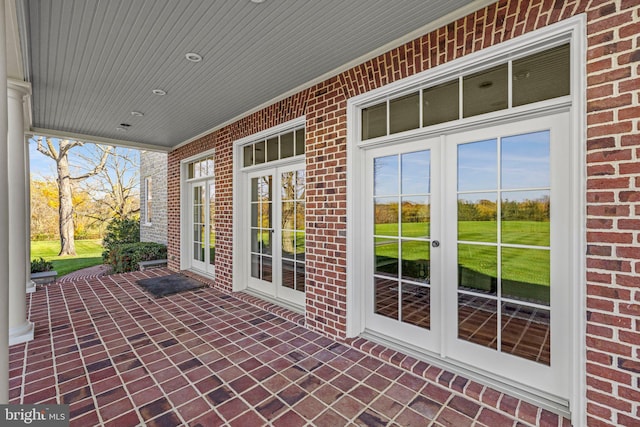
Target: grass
(89,254)
(524,272)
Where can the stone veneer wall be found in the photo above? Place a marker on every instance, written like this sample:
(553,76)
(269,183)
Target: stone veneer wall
(154,165)
(612,165)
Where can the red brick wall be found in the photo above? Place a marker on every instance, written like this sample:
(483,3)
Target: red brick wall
(613,170)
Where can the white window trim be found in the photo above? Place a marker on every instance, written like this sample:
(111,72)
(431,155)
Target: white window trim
(184,205)
(147,198)
(240,184)
(572,30)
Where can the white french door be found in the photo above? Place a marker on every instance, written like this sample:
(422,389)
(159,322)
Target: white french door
(468,249)
(276,227)
(404,191)
(202,217)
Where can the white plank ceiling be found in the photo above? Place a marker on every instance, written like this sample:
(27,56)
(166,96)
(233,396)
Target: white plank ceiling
(93,62)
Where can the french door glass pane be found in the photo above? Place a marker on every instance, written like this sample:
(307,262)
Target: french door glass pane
(402,250)
(292,219)
(526,275)
(386,253)
(416,172)
(385,176)
(261,227)
(198,223)
(478,166)
(503,244)
(478,268)
(526,332)
(415,260)
(416,305)
(478,320)
(477,217)
(525,217)
(386,297)
(415,214)
(525,161)
(212,224)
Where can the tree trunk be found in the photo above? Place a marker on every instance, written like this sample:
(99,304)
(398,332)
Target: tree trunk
(67,239)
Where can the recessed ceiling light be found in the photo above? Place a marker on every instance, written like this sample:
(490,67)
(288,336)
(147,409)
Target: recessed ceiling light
(121,129)
(193,57)
(257,1)
(137,113)
(159,92)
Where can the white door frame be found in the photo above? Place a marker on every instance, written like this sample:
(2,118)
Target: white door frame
(572,30)
(427,340)
(240,211)
(274,289)
(186,214)
(205,266)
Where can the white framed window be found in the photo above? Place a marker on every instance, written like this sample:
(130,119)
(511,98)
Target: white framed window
(148,202)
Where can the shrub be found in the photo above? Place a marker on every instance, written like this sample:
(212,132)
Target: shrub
(125,257)
(120,231)
(40,265)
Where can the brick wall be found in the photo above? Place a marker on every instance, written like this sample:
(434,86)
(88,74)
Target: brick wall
(612,165)
(154,165)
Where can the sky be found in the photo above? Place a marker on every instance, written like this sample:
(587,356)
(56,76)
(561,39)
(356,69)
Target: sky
(43,167)
(524,165)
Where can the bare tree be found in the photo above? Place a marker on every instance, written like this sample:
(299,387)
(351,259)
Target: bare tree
(115,188)
(60,155)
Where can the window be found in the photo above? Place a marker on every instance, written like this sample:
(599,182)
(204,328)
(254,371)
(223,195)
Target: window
(282,146)
(201,168)
(147,198)
(537,77)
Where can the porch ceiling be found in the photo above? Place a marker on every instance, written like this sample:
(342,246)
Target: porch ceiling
(93,62)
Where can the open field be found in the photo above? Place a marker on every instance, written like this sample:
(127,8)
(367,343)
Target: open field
(525,273)
(89,254)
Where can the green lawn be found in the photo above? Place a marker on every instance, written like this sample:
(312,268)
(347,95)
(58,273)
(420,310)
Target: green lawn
(89,254)
(525,272)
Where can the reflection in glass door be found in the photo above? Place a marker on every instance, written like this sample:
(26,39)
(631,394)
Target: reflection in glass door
(508,206)
(401,207)
(203,226)
(292,219)
(277,233)
(503,244)
(484,283)
(262,227)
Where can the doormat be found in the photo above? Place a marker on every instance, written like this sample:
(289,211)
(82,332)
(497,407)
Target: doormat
(169,285)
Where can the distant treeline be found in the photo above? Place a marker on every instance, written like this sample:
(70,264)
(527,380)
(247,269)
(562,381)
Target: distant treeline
(481,210)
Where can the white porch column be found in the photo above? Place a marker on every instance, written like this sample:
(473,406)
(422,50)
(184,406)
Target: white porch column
(4,221)
(20,329)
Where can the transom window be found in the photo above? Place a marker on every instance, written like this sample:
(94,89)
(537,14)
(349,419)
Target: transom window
(537,77)
(275,147)
(201,168)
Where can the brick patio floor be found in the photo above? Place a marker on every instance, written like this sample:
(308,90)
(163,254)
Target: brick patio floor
(121,358)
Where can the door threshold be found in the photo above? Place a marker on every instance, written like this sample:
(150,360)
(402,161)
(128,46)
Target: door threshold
(284,304)
(521,391)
